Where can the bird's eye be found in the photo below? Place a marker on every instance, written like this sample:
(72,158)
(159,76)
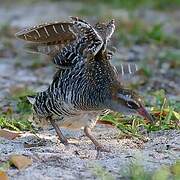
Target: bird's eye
(132,105)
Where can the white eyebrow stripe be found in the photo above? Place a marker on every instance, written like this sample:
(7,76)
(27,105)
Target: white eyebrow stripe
(54,28)
(46,31)
(62,28)
(122,69)
(37,32)
(129,69)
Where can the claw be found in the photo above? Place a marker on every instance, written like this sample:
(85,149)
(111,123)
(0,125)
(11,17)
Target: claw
(98,146)
(100,149)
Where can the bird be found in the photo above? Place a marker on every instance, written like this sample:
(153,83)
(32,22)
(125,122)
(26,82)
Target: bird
(85,83)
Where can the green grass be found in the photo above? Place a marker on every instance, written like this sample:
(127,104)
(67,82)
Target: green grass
(22,105)
(17,124)
(16,115)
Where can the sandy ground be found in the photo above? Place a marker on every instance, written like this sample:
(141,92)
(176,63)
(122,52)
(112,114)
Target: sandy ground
(52,160)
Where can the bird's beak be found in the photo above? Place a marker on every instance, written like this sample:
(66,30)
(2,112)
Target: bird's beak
(143,112)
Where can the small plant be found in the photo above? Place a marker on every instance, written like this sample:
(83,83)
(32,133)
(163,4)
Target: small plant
(166,112)
(23,106)
(129,125)
(17,124)
(5,29)
(15,116)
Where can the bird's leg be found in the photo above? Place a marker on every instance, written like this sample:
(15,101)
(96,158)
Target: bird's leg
(99,147)
(61,137)
(88,132)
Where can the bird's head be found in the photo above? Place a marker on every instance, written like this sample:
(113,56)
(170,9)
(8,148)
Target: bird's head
(128,102)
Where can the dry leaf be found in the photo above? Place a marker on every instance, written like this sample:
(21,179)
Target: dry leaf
(3,176)
(9,134)
(20,161)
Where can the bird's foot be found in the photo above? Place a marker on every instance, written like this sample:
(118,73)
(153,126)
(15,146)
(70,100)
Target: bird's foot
(98,146)
(100,149)
(60,135)
(64,141)
(67,143)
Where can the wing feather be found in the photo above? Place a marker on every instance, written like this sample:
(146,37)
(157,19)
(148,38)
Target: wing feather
(66,42)
(127,69)
(49,33)
(50,50)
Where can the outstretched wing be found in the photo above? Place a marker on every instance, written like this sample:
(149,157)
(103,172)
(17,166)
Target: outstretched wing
(48,33)
(48,38)
(86,37)
(65,42)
